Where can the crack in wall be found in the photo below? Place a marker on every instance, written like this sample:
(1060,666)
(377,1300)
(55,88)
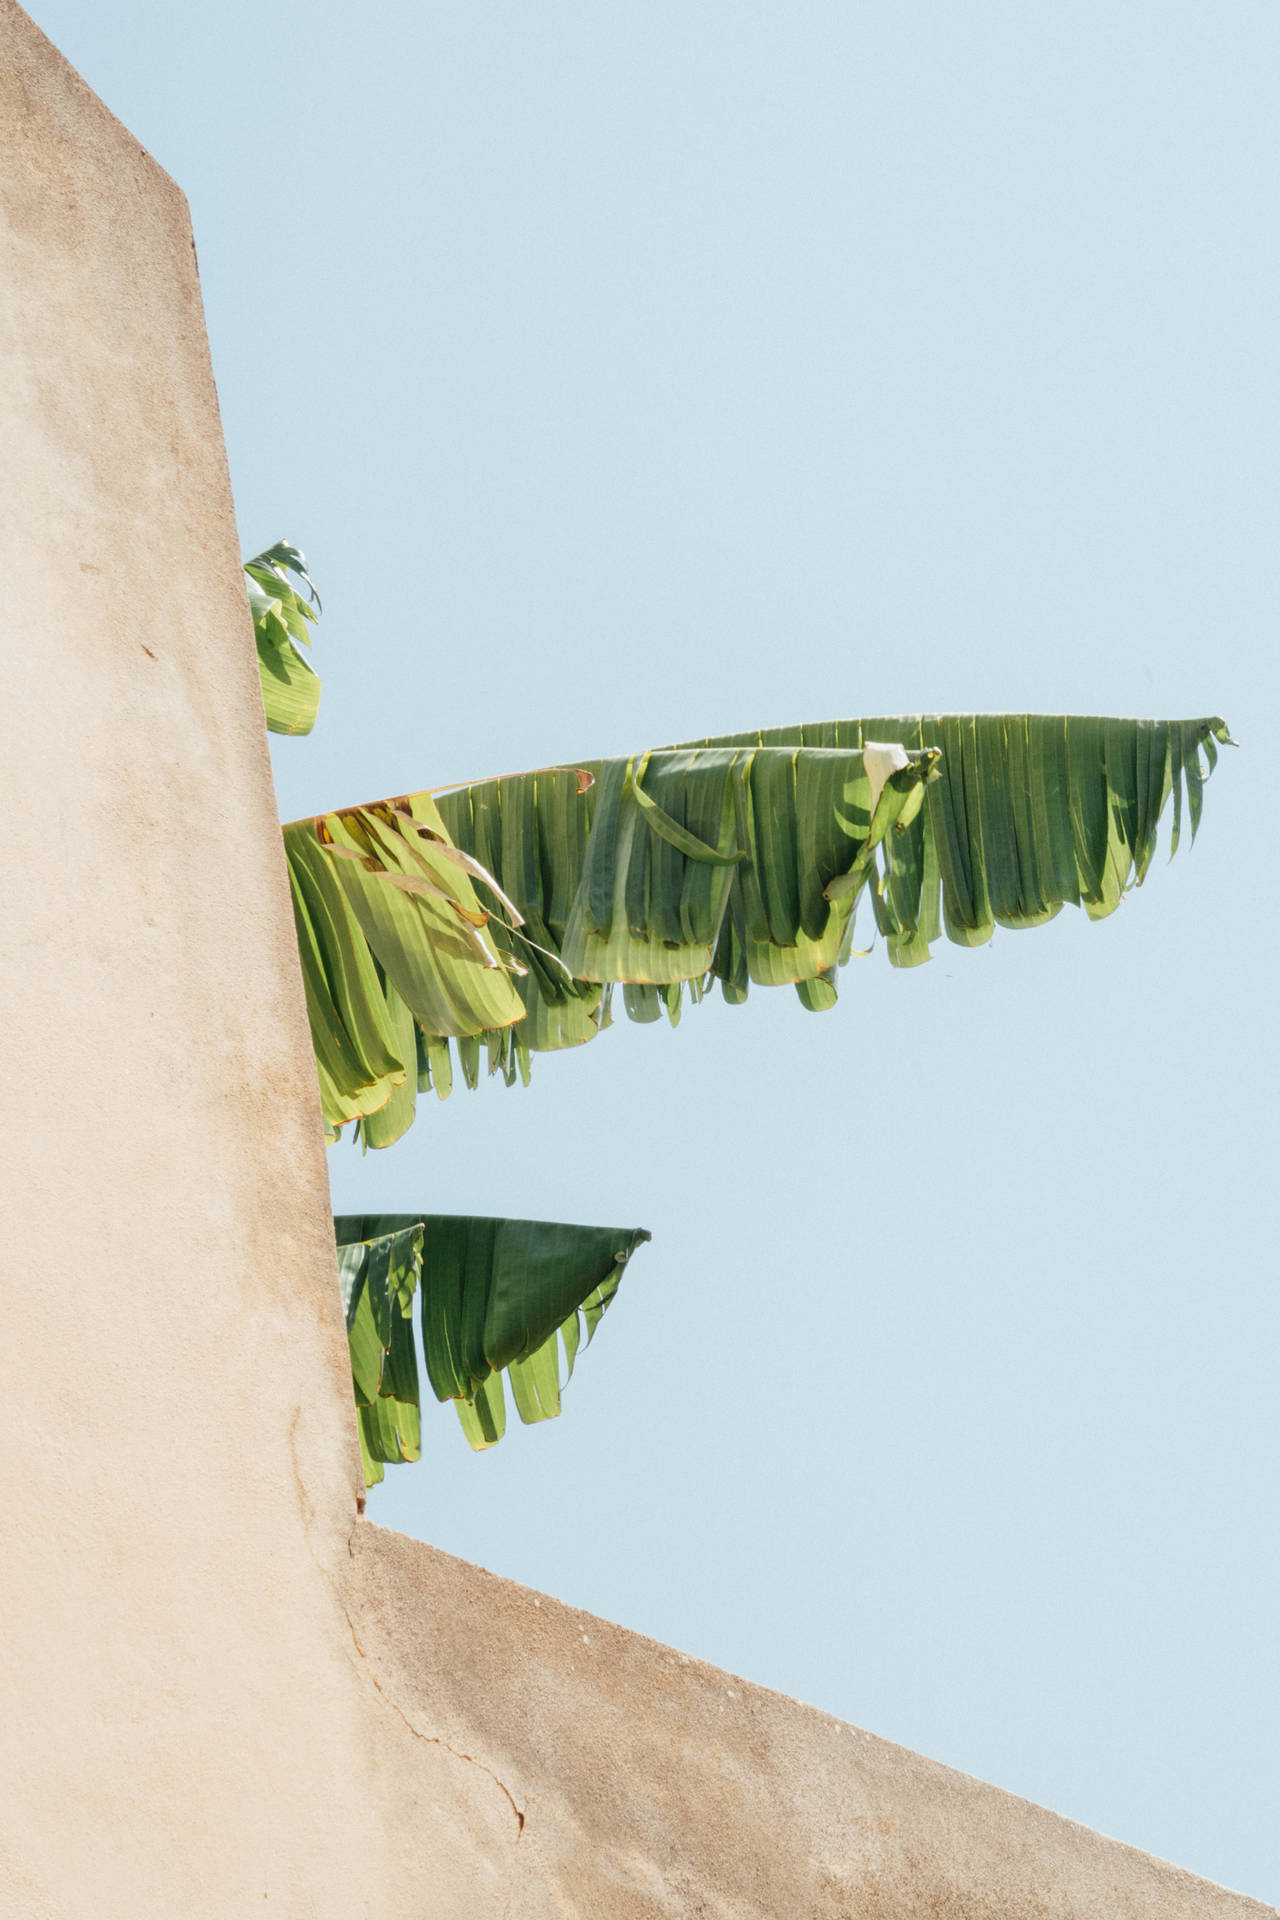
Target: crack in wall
(432,1739)
(307,1514)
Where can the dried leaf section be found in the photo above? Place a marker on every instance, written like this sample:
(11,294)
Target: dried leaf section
(397,957)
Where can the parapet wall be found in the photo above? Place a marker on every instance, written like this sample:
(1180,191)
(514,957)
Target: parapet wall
(221,1687)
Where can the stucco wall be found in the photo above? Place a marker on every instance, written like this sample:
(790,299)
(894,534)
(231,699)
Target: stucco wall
(185,1730)
(221,1688)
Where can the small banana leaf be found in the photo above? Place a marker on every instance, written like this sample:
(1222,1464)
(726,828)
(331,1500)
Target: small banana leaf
(281,618)
(496,1296)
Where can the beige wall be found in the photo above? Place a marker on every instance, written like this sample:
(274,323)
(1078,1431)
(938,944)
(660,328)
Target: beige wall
(223,1692)
(653,1787)
(185,1728)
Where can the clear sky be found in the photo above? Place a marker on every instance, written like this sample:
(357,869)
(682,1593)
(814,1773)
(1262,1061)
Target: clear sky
(632,371)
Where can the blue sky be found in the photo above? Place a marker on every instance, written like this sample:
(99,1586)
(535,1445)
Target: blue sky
(633,372)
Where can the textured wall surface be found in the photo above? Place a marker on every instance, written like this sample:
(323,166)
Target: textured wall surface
(221,1688)
(644,1785)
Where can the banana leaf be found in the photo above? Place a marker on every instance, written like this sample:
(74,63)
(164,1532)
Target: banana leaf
(281,617)
(741,860)
(496,1296)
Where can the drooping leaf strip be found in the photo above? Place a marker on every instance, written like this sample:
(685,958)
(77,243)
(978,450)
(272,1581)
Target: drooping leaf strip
(396,956)
(496,1296)
(742,859)
(281,617)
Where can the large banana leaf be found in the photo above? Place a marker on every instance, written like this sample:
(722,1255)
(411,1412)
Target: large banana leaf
(743,859)
(496,1296)
(281,617)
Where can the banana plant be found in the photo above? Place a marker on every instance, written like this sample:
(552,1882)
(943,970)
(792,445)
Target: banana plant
(495,921)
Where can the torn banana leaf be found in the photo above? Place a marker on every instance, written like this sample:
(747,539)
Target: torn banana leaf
(1004,819)
(741,860)
(496,1296)
(281,618)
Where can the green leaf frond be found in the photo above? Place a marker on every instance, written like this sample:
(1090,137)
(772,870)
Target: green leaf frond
(495,1297)
(740,860)
(281,618)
